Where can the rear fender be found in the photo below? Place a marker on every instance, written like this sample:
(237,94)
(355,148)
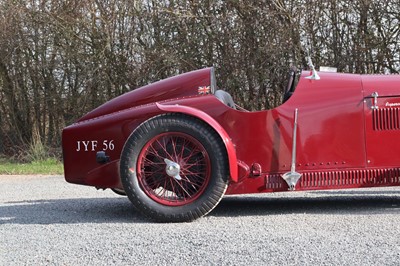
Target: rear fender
(230,148)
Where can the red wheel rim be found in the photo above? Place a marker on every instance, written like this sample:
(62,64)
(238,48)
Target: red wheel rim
(173,169)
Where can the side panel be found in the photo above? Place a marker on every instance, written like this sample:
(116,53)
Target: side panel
(330,133)
(382,120)
(81,142)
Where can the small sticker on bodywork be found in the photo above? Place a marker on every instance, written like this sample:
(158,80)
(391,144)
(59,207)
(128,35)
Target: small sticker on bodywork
(203,90)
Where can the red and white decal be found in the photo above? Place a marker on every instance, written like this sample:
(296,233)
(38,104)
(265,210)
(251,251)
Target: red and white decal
(203,90)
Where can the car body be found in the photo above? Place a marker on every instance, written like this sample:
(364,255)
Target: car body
(175,147)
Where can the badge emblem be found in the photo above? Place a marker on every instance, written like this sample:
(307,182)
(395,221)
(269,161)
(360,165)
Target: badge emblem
(203,90)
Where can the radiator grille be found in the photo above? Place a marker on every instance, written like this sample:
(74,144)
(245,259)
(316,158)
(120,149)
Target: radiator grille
(386,119)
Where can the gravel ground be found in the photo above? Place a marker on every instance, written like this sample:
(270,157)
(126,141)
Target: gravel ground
(46,221)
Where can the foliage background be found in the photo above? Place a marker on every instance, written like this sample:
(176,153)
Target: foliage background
(62,58)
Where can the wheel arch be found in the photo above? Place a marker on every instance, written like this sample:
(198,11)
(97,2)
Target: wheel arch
(229,146)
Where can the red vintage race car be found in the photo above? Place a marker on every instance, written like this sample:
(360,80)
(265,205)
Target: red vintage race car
(177,146)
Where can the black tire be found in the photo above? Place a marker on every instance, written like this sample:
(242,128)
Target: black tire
(200,178)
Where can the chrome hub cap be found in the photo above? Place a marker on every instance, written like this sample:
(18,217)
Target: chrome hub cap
(173,169)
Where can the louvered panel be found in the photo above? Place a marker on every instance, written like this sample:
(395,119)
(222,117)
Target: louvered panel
(338,179)
(386,119)
(274,182)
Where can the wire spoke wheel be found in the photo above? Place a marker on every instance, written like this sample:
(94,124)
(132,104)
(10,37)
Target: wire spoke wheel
(156,164)
(174,168)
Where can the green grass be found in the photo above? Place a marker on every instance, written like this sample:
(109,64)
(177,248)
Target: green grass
(43,167)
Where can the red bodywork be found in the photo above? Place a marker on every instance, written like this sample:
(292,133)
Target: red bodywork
(343,139)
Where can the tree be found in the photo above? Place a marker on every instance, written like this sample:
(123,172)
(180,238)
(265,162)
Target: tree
(60,59)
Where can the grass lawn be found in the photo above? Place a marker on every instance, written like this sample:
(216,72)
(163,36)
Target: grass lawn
(46,167)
